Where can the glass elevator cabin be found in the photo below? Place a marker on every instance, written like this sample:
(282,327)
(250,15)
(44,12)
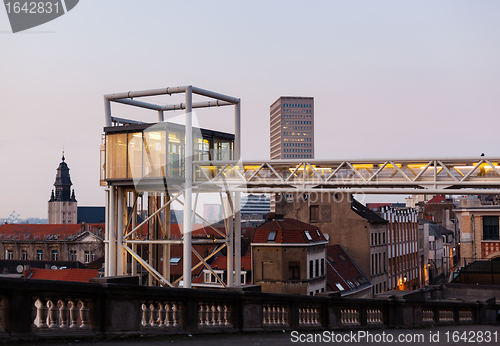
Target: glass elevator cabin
(151,153)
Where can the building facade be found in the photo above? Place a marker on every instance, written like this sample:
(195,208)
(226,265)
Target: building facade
(255,207)
(292,128)
(345,221)
(25,242)
(403,248)
(288,256)
(62,206)
(478,226)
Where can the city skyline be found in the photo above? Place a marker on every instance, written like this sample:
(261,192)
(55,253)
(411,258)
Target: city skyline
(389,80)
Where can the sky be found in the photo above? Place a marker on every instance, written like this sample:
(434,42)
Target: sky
(390,79)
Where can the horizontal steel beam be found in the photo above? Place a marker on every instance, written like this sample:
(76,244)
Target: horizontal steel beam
(125,121)
(143,93)
(374,191)
(356,161)
(169,91)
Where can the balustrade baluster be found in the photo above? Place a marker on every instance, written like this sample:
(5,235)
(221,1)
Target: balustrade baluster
(176,314)
(219,321)
(154,315)
(53,315)
(42,314)
(213,317)
(201,315)
(84,315)
(208,315)
(227,315)
(169,319)
(73,314)
(34,312)
(64,314)
(146,315)
(162,315)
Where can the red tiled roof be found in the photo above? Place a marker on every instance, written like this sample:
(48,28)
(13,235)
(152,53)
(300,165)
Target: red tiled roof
(377,206)
(47,231)
(221,263)
(176,250)
(340,270)
(199,231)
(80,275)
(288,231)
(438,199)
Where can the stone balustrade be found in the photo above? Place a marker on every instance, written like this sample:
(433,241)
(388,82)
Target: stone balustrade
(37,309)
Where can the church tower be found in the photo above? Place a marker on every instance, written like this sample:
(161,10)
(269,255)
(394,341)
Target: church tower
(62,203)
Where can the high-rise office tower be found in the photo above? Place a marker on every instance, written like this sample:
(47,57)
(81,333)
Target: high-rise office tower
(292,128)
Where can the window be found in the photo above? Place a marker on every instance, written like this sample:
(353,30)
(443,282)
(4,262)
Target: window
(39,255)
(86,257)
(311,269)
(72,255)
(24,255)
(308,236)
(54,255)
(294,270)
(317,268)
(490,228)
(385,268)
(175,260)
(322,266)
(92,256)
(271,236)
(9,254)
(339,286)
(314,213)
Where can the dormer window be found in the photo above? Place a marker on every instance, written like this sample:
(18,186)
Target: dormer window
(271,236)
(175,260)
(308,236)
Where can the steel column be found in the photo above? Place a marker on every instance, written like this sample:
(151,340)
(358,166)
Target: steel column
(237,238)
(107,112)
(188,184)
(119,233)
(106,232)
(112,231)
(133,263)
(230,239)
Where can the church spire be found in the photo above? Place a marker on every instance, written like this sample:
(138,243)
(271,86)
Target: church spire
(63,183)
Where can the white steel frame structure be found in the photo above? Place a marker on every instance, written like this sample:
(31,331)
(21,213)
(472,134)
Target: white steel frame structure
(458,176)
(119,242)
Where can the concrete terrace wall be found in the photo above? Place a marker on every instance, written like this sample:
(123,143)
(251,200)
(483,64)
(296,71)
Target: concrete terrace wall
(38,309)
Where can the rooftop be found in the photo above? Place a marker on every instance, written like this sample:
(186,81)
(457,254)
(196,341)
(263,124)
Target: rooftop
(342,274)
(288,231)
